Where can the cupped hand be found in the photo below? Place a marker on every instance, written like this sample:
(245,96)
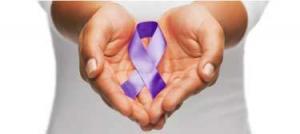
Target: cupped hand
(195,44)
(104,61)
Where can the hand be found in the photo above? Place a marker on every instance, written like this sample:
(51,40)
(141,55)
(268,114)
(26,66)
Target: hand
(195,44)
(104,61)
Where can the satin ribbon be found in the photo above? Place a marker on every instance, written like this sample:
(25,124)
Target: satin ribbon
(145,60)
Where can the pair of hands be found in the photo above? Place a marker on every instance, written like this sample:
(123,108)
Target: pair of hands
(191,62)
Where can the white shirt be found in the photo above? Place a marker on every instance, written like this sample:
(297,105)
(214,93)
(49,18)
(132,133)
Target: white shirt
(219,109)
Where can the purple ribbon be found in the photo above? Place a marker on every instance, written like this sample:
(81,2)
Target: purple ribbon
(145,60)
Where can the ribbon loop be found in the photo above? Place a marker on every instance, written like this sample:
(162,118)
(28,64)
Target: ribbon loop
(145,60)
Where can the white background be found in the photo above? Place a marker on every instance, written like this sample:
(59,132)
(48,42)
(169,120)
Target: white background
(27,69)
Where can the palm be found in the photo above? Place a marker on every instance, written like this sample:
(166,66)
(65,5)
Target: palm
(112,37)
(117,64)
(184,50)
(105,38)
(194,39)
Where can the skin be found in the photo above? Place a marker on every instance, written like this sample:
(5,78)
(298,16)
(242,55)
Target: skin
(104,37)
(196,36)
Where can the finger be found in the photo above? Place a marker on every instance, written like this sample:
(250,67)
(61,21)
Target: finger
(110,88)
(92,39)
(106,101)
(212,42)
(156,111)
(82,69)
(139,113)
(188,85)
(147,128)
(145,98)
(215,78)
(92,57)
(160,124)
(169,114)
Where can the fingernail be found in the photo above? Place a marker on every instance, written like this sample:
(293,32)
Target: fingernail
(91,67)
(208,69)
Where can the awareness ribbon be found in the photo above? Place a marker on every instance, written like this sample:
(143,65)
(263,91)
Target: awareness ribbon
(145,60)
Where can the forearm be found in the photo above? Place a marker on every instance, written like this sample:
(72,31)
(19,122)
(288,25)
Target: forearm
(232,16)
(70,17)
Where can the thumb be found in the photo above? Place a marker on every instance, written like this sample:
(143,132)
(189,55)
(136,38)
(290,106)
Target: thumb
(212,42)
(91,53)
(94,66)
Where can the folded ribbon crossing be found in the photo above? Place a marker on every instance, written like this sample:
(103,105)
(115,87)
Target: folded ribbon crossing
(145,60)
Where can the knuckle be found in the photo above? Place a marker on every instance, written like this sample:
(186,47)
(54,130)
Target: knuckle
(219,58)
(82,71)
(159,127)
(169,104)
(159,96)
(126,111)
(85,39)
(196,92)
(216,27)
(154,115)
(219,30)
(83,34)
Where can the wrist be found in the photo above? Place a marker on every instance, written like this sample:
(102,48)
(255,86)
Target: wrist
(232,17)
(67,20)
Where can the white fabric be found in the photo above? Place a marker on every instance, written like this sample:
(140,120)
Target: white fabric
(254,11)
(143,10)
(219,109)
